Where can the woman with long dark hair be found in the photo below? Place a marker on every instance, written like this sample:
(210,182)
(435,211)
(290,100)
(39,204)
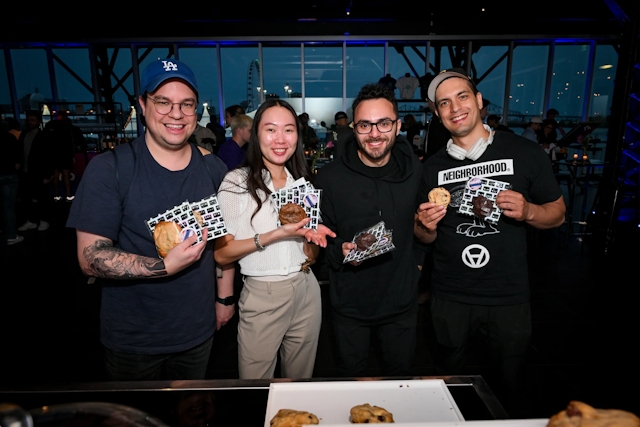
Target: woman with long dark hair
(279,306)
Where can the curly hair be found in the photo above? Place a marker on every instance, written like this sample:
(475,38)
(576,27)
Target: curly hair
(375,91)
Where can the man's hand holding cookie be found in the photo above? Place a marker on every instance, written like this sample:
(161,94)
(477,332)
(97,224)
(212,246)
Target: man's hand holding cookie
(346,248)
(440,196)
(430,213)
(185,253)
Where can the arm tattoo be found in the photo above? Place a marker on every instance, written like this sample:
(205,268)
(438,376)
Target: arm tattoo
(109,262)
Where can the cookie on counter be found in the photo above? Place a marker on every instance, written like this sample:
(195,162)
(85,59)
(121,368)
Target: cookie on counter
(292,418)
(367,414)
(579,414)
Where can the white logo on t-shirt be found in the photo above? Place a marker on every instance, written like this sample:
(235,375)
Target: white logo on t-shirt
(475,256)
(480,170)
(169,66)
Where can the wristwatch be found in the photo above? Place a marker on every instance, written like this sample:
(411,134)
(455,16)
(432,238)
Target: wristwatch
(227,301)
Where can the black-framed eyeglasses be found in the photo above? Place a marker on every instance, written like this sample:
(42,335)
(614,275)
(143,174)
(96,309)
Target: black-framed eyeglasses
(383,126)
(164,107)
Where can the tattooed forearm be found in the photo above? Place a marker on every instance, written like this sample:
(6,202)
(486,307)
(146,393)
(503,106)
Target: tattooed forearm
(104,260)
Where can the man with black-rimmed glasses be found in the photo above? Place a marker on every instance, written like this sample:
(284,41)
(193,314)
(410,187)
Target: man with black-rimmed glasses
(377,179)
(158,315)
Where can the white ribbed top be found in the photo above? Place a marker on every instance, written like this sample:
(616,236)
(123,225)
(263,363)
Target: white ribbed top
(281,258)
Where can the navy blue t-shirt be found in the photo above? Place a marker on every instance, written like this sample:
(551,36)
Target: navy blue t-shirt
(149,316)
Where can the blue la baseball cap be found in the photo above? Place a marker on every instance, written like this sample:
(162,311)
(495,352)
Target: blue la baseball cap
(164,69)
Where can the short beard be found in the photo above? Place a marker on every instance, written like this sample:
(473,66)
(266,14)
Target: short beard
(378,153)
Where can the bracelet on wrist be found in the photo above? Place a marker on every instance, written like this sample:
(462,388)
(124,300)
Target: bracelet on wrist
(256,240)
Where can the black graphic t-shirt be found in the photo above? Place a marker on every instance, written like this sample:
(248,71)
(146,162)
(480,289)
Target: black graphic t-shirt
(475,261)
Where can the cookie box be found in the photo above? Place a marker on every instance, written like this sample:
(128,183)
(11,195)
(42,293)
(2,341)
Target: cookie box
(410,402)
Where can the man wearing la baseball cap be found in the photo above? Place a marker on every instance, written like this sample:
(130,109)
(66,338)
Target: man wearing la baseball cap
(158,315)
(164,69)
(498,183)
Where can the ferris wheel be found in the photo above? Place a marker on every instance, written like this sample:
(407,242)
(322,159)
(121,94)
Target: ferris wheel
(253,85)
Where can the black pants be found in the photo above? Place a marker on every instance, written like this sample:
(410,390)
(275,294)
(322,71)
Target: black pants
(397,338)
(506,331)
(34,195)
(186,365)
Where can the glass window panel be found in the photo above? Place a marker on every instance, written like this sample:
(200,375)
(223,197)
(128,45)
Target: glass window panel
(606,65)
(241,76)
(568,83)
(31,76)
(528,82)
(405,59)
(204,63)
(440,56)
(365,64)
(122,87)
(122,77)
(282,71)
(323,71)
(70,89)
(323,84)
(6,107)
(491,85)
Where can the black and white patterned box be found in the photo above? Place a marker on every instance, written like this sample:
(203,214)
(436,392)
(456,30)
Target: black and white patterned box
(382,244)
(181,215)
(301,193)
(207,212)
(485,187)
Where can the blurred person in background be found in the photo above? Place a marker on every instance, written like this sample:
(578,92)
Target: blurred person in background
(532,130)
(234,150)
(36,173)
(10,162)
(64,137)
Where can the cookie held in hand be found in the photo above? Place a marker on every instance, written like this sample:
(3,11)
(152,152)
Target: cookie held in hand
(367,414)
(166,236)
(290,213)
(364,241)
(292,418)
(482,206)
(440,196)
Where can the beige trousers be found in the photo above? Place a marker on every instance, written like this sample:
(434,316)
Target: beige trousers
(284,317)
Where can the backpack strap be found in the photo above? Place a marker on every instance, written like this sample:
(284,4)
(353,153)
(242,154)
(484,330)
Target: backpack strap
(213,180)
(124,161)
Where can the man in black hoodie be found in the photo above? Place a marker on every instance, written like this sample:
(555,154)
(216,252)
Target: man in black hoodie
(377,179)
